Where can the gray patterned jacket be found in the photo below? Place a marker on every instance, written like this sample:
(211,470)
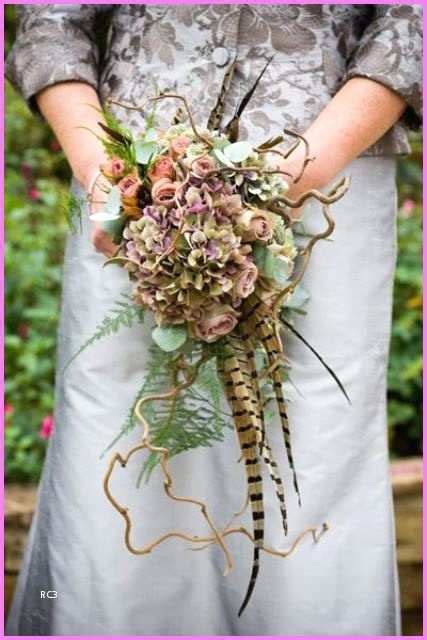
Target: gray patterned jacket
(188,48)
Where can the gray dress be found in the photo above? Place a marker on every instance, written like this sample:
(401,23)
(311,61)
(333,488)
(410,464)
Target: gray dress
(346,584)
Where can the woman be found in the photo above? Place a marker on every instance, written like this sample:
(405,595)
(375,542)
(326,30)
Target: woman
(348,77)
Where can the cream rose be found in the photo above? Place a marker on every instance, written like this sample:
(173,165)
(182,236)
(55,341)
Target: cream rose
(256,225)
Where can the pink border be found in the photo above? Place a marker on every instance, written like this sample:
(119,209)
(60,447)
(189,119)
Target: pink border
(1,245)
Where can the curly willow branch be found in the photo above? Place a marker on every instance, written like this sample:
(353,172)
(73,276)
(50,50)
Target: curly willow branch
(336,193)
(165,96)
(217,536)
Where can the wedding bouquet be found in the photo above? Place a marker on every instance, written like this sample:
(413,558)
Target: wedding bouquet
(204,229)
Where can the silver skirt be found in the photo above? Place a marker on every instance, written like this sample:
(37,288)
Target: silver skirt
(344,585)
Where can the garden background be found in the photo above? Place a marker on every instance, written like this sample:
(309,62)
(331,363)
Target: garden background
(36,185)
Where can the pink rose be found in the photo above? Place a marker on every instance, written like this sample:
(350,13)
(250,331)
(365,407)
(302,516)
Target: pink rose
(113,169)
(178,146)
(47,427)
(129,187)
(218,321)
(162,168)
(204,165)
(163,192)
(8,409)
(33,194)
(245,281)
(407,208)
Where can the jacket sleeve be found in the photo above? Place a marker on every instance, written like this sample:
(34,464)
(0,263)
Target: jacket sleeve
(54,43)
(390,52)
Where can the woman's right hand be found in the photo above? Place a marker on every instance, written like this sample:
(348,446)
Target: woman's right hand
(101,240)
(73,110)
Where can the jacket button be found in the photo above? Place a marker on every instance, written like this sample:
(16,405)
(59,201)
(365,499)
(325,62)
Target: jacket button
(220,56)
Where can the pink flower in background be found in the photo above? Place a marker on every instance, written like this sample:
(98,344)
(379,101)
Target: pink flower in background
(47,427)
(407,208)
(23,330)
(26,171)
(55,146)
(8,409)
(33,194)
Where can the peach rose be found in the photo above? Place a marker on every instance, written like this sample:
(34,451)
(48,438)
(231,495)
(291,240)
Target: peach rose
(113,169)
(245,281)
(129,187)
(204,165)
(178,146)
(163,192)
(162,168)
(218,321)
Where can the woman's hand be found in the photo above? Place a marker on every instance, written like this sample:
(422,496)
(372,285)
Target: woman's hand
(101,240)
(73,111)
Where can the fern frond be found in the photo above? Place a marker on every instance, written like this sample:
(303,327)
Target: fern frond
(125,314)
(72,209)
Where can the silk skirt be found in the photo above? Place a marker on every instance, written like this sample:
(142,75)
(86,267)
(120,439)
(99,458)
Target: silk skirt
(344,585)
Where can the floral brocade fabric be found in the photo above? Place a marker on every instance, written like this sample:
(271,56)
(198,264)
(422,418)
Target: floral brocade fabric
(189,49)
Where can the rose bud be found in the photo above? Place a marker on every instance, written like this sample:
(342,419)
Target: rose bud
(178,146)
(113,169)
(129,187)
(246,279)
(202,166)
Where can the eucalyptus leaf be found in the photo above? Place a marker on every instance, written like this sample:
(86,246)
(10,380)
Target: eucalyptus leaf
(264,260)
(114,228)
(282,270)
(298,299)
(238,151)
(170,338)
(144,151)
(113,203)
(104,216)
(150,135)
(223,159)
(259,252)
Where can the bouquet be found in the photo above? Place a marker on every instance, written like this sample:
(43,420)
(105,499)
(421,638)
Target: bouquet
(204,229)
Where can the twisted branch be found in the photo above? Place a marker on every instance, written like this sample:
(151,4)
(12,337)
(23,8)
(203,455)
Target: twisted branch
(168,482)
(164,96)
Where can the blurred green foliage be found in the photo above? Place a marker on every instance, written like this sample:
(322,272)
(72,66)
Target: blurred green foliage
(35,185)
(36,175)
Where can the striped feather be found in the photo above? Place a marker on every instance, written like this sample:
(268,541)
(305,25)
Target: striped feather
(265,332)
(240,397)
(264,446)
(217,112)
